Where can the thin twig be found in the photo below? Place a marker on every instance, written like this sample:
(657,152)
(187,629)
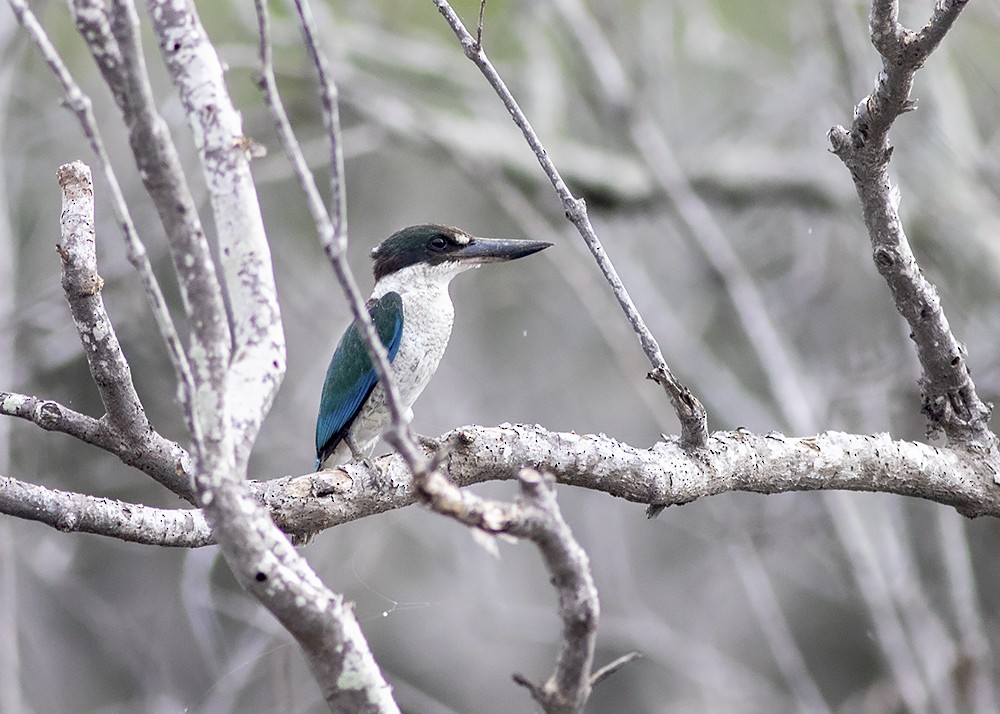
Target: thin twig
(329,98)
(777,631)
(479,25)
(333,233)
(974,681)
(690,412)
(774,357)
(888,626)
(612,667)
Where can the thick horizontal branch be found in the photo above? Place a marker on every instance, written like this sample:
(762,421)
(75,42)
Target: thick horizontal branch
(663,475)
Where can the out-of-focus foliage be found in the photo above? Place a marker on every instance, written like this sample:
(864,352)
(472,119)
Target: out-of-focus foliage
(743,93)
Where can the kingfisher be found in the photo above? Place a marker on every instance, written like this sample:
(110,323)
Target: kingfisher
(413,315)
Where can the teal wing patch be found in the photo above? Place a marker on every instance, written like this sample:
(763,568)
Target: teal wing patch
(351,377)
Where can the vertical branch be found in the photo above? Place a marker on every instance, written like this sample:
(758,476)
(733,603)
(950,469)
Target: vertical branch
(973,672)
(569,687)
(258,357)
(116,53)
(536,517)
(82,107)
(344,633)
(125,419)
(329,97)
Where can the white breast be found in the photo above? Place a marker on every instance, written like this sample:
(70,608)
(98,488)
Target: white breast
(428,315)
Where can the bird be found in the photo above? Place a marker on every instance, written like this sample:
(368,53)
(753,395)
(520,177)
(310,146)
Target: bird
(413,315)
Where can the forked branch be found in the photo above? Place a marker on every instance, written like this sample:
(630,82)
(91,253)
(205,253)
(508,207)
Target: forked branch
(949,396)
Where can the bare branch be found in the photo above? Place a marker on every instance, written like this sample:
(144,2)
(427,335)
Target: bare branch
(78,513)
(257,367)
(665,474)
(764,602)
(536,517)
(774,357)
(329,97)
(568,689)
(612,668)
(156,456)
(976,685)
(82,286)
(690,412)
(116,53)
(126,418)
(949,395)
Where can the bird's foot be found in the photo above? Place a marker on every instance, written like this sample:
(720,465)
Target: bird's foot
(359,454)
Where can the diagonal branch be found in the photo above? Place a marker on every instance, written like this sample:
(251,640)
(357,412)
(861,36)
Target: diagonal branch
(775,357)
(949,396)
(690,412)
(332,232)
(82,286)
(160,458)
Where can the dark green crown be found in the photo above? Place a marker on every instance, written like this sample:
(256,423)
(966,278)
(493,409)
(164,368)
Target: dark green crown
(429,243)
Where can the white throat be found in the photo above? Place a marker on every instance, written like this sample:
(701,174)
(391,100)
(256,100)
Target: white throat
(420,277)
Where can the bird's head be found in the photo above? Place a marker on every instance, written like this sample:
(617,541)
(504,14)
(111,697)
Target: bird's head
(430,245)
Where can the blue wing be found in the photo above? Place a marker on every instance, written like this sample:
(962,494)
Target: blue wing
(350,378)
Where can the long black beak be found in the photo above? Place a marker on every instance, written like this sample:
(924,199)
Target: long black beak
(496,250)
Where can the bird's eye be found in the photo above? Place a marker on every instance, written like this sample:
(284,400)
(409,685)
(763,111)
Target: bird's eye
(438,243)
